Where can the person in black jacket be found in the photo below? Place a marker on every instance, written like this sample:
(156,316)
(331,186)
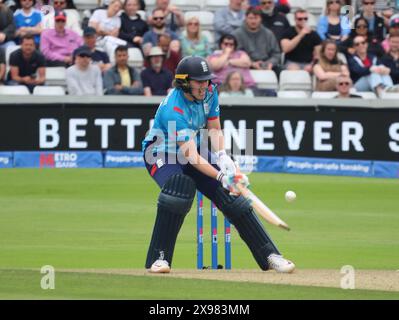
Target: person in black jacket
(376,22)
(391,59)
(273,19)
(367,72)
(132,26)
(361,28)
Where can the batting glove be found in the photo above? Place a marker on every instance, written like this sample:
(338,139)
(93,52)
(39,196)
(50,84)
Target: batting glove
(225,163)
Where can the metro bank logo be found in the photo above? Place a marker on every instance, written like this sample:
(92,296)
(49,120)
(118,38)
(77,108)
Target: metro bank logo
(47,160)
(58,160)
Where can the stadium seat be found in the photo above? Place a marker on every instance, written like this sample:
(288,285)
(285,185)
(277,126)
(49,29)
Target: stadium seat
(56,76)
(390,95)
(14,90)
(366,95)
(324,94)
(86,4)
(150,5)
(293,94)
(214,5)
(135,58)
(205,18)
(73,12)
(297,4)
(315,7)
(49,91)
(187,5)
(265,79)
(295,80)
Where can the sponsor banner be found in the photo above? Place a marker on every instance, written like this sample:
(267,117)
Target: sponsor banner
(59,159)
(307,131)
(338,167)
(6,160)
(386,169)
(123,159)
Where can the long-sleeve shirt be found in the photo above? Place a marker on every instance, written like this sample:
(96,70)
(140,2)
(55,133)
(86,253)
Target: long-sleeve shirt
(84,82)
(260,46)
(226,21)
(56,46)
(357,67)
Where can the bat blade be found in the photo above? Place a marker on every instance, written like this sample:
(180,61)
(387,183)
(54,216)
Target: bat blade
(262,209)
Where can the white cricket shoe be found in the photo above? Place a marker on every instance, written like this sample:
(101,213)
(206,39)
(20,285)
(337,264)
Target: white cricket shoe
(280,264)
(160,266)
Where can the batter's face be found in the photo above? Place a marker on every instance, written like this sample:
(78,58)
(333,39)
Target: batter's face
(199,88)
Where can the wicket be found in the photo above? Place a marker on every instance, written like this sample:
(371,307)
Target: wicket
(214,236)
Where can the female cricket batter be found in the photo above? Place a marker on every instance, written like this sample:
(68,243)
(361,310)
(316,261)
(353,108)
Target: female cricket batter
(173,159)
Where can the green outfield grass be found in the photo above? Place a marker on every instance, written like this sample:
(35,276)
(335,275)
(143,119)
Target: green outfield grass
(77,218)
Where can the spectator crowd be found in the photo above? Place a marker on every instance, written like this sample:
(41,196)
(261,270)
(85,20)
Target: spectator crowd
(94,46)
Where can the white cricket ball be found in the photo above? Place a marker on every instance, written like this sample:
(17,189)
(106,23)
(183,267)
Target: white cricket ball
(290,196)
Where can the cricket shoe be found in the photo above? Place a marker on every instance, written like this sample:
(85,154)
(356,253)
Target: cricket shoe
(160,266)
(280,264)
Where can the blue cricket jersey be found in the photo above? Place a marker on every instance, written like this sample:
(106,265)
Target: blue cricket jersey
(179,119)
(31,20)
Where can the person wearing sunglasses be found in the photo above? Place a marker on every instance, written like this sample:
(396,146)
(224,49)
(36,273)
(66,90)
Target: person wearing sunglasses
(72,21)
(227,59)
(391,59)
(174,16)
(193,41)
(375,22)
(331,25)
(58,44)
(361,28)
(28,20)
(150,38)
(273,19)
(367,72)
(343,84)
(84,78)
(300,44)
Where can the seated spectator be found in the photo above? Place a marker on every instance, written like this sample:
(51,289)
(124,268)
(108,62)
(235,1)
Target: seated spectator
(376,24)
(172,57)
(99,58)
(273,19)
(343,84)
(282,6)
(7,26)
(361,29)
(157,80)
(107,24)
(72,22)
(28,20)
(174,17)
(384,8)
(58,44)
(122,79)
(132,26)
(193,42)
(84,78)
(259,42)
(227,20)
(391,59)
(328,67)
(300,44)
(234,86)
(331,25)
(367,73)
(2,65)
(393,28)
(228,59)
(151,37)
(27,65)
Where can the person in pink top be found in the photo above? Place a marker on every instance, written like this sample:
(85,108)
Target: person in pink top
(58,44)
(228,59)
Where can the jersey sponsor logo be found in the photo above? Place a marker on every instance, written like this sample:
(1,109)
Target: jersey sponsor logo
(177,109)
